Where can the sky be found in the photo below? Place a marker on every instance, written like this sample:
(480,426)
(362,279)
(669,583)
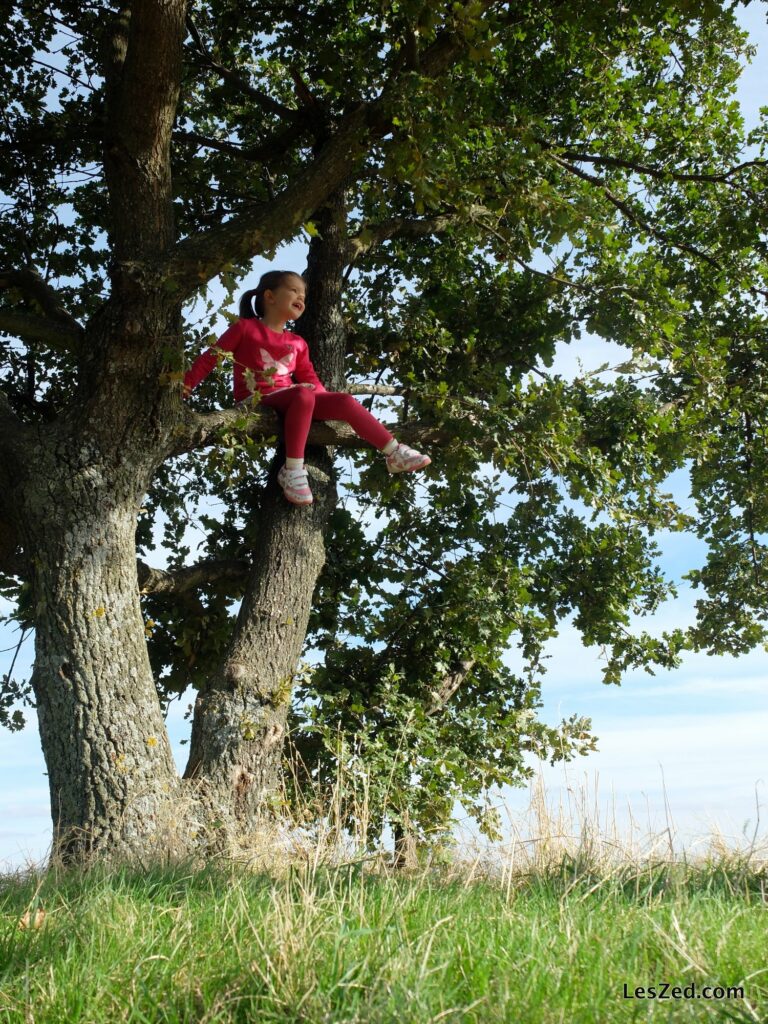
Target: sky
(682,751)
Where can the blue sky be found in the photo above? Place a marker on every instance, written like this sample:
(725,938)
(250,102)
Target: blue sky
(684,748)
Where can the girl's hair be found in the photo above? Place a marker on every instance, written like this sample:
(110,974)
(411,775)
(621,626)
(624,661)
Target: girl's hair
(252,302)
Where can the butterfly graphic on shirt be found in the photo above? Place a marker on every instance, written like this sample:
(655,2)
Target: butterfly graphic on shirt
(281,366)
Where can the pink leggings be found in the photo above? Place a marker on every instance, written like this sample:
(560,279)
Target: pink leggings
(302,405)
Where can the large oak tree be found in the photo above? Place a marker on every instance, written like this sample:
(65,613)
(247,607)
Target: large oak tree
(478,180)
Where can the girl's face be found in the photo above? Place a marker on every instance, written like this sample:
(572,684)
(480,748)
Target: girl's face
(288,299)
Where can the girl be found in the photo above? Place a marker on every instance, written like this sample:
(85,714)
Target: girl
(265,356)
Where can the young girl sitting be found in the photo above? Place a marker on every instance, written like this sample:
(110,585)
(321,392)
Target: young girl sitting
(267,355)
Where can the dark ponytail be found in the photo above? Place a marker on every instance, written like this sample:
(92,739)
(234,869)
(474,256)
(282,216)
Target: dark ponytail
(252,302)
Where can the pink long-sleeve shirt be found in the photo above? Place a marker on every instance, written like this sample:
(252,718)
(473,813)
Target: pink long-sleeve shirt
(271,358)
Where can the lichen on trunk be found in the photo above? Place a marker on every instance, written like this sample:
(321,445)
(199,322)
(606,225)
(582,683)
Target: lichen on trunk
(111,772)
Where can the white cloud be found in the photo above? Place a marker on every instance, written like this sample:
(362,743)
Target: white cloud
(695,773)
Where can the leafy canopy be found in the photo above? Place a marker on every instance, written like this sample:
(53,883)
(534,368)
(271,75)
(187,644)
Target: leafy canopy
(575,167)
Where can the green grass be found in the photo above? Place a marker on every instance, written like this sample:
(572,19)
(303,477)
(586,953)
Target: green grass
(323,944)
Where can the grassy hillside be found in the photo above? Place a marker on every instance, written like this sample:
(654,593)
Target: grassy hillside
(353,943)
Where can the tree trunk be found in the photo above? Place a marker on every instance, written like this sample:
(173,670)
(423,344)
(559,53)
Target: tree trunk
(239,721)
(111,773)
(405,854)
(72,490)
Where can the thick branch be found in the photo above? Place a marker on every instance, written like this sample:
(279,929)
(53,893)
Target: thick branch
(36,329)
(449,685)
(33,287)
(179,581)
(203,255)
(201,430)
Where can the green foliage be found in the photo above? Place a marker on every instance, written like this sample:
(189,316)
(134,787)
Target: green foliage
(593,173)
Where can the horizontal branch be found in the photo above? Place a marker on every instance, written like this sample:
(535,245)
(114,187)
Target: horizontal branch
(33,287)
(220,145)
(661,173)
(38,329)
(372,235)
(377,389)
(179,581)
(271,150)
(202,430)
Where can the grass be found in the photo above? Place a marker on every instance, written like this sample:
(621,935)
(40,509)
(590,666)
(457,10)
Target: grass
(538,931)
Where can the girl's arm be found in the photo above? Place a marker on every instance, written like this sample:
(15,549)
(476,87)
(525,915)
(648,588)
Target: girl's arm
(204,363)
(305,371)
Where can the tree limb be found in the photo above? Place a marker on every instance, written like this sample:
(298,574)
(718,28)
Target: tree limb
(304,93)
(272,149)
(178,581)
(371,235)
(377,389)
(36,329)
(631,215)
(201,430)
(266,102)
(202,255)
(33,287)
(449,685)
(653,172)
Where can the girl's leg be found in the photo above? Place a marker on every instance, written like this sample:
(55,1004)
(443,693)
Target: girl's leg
(297,404)
(301,405)
(335,405)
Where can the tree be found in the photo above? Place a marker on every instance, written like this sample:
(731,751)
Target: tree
(441,147)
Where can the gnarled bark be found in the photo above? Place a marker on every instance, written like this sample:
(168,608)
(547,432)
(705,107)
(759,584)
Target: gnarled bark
(111,773)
